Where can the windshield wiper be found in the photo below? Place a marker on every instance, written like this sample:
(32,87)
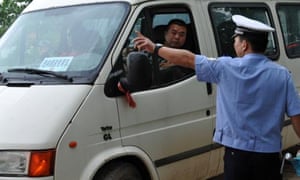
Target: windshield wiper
(40,72)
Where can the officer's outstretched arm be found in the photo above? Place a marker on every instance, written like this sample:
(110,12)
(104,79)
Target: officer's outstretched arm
(179,57)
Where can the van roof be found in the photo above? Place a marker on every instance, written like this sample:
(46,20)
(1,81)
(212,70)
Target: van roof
(46,4)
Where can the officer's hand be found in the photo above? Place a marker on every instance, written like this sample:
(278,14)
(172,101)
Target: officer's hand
(142,43)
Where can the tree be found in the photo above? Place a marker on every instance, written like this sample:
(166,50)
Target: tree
(9,11)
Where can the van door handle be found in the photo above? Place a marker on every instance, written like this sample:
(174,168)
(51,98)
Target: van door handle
(209,88)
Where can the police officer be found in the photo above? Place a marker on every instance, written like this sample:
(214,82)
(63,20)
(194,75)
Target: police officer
(253,95)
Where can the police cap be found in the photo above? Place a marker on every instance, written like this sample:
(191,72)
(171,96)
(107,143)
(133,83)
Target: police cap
(246,26)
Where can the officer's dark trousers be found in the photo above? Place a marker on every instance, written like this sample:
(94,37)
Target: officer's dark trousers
(245,165)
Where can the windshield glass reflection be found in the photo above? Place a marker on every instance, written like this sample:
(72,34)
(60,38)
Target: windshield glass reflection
(70,39)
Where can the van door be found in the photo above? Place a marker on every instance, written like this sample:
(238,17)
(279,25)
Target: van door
(172,121)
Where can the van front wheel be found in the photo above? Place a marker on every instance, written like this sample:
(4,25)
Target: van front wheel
(119,171)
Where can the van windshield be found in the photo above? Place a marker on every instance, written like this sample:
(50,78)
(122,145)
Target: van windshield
(70,41)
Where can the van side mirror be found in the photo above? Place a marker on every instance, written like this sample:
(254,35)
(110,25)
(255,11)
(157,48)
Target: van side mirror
(137,78)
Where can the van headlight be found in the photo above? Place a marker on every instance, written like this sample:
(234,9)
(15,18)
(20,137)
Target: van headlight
(27,163)
(14,163)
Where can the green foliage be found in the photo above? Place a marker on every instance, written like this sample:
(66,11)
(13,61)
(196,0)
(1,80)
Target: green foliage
(9,11)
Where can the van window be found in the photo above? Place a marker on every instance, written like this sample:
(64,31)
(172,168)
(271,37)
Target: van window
(153,22)
(289,17)
(163,19)
(224,27)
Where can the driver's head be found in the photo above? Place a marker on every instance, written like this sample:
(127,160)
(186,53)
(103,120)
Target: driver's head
(176,33)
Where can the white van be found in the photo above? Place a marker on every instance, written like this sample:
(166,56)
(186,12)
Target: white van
(63,117)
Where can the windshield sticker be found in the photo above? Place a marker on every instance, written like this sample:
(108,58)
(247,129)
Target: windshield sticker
(56,63)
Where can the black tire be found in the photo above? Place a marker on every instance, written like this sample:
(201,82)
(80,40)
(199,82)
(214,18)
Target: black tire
(119,171)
